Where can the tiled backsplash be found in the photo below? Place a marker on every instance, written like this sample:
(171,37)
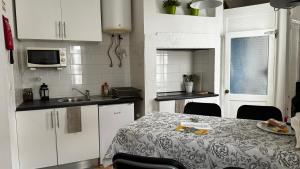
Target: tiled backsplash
(88,68)
(173,64)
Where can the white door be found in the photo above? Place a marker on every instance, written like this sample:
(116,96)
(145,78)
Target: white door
(111,119)
(36,139)
(249,70)
(81,146)
(81,20)
(38,19)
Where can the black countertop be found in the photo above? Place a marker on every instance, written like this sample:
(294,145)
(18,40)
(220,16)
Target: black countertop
(54,103)
(167,96)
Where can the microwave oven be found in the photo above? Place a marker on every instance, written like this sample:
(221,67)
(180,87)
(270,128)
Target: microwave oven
(46,57)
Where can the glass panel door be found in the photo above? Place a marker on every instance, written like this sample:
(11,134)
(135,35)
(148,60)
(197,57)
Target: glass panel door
(249,65)
(249,70)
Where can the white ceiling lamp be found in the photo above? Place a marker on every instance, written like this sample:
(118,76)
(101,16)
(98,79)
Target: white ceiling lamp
(203,4)
(286,4)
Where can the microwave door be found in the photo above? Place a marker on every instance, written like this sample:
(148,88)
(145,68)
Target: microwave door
(43,58)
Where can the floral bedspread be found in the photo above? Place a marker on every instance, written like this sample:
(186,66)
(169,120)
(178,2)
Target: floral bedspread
(230,143)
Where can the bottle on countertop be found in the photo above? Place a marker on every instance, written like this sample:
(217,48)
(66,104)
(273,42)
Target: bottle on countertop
(105,89)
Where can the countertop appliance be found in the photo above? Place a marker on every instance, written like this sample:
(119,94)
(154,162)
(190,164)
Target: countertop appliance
(46,57)
(125,92)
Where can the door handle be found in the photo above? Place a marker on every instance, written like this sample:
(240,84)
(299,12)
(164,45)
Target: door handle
(227,91)
(52,121)
(57,118)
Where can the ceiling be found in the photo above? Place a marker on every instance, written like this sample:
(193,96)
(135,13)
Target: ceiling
(239,3)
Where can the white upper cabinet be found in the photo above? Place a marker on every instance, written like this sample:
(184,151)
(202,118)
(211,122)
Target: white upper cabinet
(74,20)
(81,20)
(38,19)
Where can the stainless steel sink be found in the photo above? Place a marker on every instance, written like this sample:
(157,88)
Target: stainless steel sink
(73,99)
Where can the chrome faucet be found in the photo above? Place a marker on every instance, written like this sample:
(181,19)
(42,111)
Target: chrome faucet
(86,94)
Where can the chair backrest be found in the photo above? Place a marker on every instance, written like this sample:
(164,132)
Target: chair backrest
(259,112)
(127,161)
(205,109)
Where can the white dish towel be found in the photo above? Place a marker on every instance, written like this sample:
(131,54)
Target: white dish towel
(179,106)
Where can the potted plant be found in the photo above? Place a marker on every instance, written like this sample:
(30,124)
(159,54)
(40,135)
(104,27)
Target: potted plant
(188,83)
(193,11)
(170,6)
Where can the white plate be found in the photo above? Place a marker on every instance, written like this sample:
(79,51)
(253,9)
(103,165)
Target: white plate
(268,129)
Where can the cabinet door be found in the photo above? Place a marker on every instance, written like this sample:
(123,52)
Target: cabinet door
(207,100)
(36,139)
(38,19)
(167,106)
(81,20)
(111,119)
(81,146)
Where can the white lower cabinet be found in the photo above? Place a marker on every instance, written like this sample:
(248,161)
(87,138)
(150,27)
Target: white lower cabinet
(43,139)
(111,119)
(204,100)
(169,106)
(36,139)
(79,146)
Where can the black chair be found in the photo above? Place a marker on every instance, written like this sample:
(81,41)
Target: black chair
(205,109)
(259,113)
(127,161)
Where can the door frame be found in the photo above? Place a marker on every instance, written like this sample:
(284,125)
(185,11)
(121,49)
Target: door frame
(271,68)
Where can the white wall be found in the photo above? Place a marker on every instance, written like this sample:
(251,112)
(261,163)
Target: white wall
(249,18)
(156,22)
(88,68)
(137,46)
(171,65)
(7,101)
(293,59)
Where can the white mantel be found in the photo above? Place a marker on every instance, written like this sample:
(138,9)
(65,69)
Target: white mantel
(176,41)
(153,30)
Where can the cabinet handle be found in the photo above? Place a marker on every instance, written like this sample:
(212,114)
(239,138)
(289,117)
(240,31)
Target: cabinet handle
(59,29)
(57,118)
(52,122)
(65,34)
